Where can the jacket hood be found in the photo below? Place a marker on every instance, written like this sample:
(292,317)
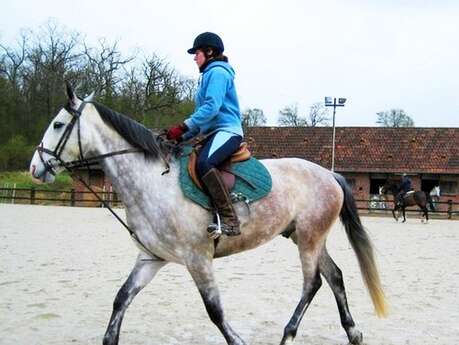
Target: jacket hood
(223,64)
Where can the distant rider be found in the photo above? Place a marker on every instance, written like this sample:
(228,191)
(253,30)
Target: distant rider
(405,187)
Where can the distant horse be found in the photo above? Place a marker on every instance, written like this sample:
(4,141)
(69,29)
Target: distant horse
(412,198)
(305,201)
(434,196)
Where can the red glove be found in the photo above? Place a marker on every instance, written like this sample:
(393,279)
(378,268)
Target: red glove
(176,132)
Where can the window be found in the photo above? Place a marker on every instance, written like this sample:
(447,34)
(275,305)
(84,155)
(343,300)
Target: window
(448,187)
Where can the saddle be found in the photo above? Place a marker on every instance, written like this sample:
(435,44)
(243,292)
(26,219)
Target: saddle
(228,176)
(251,179)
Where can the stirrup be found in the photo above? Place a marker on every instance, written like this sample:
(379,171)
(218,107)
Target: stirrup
(214,230)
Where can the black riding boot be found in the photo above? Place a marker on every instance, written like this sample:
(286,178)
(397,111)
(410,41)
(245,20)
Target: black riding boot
(222,201)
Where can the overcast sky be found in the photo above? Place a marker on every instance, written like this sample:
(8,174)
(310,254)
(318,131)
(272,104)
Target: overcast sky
(378,54)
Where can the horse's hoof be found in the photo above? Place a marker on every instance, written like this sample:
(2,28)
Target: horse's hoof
(287,340)
(355,337)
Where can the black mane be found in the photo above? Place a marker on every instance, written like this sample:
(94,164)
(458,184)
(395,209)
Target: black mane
(137,134)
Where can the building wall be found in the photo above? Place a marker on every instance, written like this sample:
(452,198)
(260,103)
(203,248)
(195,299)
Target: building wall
(360,183)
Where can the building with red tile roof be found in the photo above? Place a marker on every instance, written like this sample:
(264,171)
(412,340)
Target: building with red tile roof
(367,156)
(363,149)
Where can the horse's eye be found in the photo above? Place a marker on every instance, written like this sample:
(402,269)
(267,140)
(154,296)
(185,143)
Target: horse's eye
(58,125)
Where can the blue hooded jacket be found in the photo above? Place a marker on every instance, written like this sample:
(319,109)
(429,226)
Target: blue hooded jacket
(217,106)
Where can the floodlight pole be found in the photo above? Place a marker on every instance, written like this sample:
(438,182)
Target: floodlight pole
(334,105)
(334,134)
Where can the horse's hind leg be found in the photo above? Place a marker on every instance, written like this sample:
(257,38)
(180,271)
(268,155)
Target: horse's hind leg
(334,278)
(311,284)
(144,271)
(202,272)
(426,213)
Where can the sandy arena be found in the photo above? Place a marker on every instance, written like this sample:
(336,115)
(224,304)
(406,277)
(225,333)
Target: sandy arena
(60,268)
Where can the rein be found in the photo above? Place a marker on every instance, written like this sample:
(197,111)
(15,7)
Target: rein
(87,162)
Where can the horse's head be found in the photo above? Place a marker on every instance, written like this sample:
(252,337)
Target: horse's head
(63,140)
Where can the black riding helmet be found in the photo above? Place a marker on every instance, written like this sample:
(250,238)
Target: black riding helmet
(207,39)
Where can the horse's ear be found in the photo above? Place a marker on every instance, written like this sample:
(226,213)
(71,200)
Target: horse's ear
(71,96)
(90,97)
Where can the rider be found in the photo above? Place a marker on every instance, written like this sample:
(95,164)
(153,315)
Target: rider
(405,187)
(217,116)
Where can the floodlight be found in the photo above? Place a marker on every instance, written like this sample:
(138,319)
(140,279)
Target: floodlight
(331,102)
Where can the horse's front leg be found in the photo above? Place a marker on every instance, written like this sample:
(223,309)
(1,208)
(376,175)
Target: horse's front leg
(404,216)
(393,213)
(201,270)
(143,272)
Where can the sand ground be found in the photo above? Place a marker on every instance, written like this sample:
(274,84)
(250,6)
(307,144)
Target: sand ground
(61,267)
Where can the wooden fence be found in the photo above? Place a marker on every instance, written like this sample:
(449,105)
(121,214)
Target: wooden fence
(35,196)
(385,207)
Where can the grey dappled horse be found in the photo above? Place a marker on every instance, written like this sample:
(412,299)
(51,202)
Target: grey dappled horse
(305,201)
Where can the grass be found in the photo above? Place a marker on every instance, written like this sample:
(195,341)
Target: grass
(22,179)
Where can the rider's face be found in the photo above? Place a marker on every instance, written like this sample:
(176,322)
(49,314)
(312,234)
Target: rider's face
(199,58)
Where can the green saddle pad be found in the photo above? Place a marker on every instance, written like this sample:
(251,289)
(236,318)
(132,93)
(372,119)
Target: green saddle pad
(255,184)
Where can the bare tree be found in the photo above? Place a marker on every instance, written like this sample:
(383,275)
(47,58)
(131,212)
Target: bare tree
(131,93)
(253,117)
(12,61)
(162,88)
(104,67)
(318,115)
(188,89)
(394,118)
(289,116)
(53,53)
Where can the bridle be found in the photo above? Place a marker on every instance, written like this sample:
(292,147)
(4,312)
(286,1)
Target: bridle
(71,166)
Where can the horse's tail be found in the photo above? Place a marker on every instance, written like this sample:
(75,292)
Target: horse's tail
(362,246)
